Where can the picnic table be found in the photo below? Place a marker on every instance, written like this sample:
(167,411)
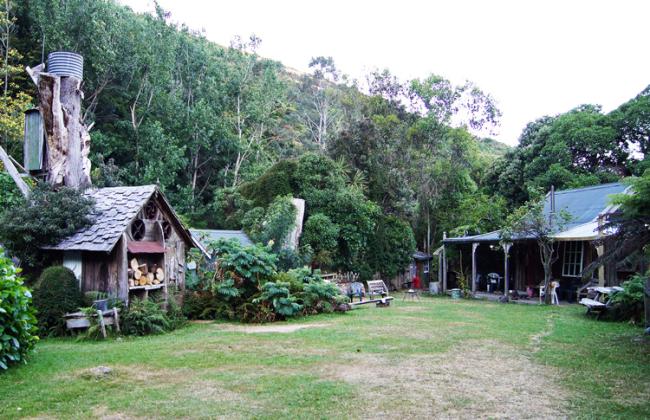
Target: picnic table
(601,300)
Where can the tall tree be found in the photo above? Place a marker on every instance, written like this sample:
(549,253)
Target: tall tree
(257,101)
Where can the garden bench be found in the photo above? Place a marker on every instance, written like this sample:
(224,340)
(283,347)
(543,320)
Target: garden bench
(78,320)
(377,287)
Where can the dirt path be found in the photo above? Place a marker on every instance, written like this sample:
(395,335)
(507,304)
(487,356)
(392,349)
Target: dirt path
(270,328)
(483,379)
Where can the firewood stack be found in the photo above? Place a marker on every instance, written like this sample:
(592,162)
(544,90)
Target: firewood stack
(145,275)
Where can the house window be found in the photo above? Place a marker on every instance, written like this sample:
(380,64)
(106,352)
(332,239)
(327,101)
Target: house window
(572,264)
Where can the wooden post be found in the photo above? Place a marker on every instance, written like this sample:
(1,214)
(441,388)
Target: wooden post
(100,319)
(444,264)
(122,270)
(13,173)
(600,250)
(474,274)
(116,317)
(506,276)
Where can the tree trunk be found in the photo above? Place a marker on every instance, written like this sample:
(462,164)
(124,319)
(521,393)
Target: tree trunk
(546,253)
(68,140)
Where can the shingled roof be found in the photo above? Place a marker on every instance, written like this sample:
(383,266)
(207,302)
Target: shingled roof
(115,208)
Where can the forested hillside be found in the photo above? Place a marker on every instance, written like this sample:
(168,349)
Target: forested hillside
(225,132)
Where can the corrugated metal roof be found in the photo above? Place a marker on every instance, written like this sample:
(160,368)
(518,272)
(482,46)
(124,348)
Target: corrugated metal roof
(583,204)
(204,235)
(421,256)
(114,210)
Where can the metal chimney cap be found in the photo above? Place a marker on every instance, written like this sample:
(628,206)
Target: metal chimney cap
(65,63)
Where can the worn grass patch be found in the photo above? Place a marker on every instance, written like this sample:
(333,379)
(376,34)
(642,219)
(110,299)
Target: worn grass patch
(435,358)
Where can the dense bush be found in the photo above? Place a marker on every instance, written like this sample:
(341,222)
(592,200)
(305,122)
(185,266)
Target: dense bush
(391,247)
(17,321)
(10,196)
(278,221)
(321,234)
(56,293)
(320,296)
(46,218)
(244,285)
(279,180)
(144,316)
(276,298)
(628,304)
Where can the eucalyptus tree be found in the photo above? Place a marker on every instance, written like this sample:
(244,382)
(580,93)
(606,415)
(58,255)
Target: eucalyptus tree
(319,98)
(257,101)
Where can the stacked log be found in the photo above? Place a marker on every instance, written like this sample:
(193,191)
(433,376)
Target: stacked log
(144,275)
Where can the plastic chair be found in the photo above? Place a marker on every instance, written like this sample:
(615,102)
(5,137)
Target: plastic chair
(554,298)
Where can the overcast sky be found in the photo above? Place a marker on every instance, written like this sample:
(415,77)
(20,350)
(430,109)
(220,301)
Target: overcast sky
(534,57)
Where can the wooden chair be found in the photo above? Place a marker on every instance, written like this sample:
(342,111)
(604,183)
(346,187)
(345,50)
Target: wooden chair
(356,289)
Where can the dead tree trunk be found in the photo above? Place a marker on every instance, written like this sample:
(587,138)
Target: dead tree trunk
(68,140)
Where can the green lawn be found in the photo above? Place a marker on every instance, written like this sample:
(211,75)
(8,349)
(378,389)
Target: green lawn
(436,357)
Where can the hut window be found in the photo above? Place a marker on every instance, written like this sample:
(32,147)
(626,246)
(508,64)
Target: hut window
(573,256)
(137,229)
(150,210)
(167,229)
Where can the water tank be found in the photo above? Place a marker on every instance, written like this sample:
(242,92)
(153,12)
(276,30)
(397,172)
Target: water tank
(63,63)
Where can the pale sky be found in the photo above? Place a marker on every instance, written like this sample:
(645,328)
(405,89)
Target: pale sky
(534,57)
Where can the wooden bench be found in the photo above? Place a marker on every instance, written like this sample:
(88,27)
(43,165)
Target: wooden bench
(78,320)
(377,287)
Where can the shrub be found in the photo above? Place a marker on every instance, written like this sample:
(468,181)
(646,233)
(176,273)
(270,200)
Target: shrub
(277,297)
(17,321)
(321,234)
(175,313)
(319,296)
(278,180)
(46,218)
(56,293)
(391,247)
(628,304)
(289,259)
(144,316)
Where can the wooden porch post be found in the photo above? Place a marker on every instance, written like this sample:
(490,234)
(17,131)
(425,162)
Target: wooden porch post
(506,276)
(444,264)
(474,246)
(600,250)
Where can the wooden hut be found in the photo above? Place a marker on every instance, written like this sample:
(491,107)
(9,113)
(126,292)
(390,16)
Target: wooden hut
(517,265)
(135,246)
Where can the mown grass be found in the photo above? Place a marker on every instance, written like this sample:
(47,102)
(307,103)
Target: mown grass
(598,369)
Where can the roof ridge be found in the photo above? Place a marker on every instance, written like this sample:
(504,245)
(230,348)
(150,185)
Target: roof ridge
(590,187)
